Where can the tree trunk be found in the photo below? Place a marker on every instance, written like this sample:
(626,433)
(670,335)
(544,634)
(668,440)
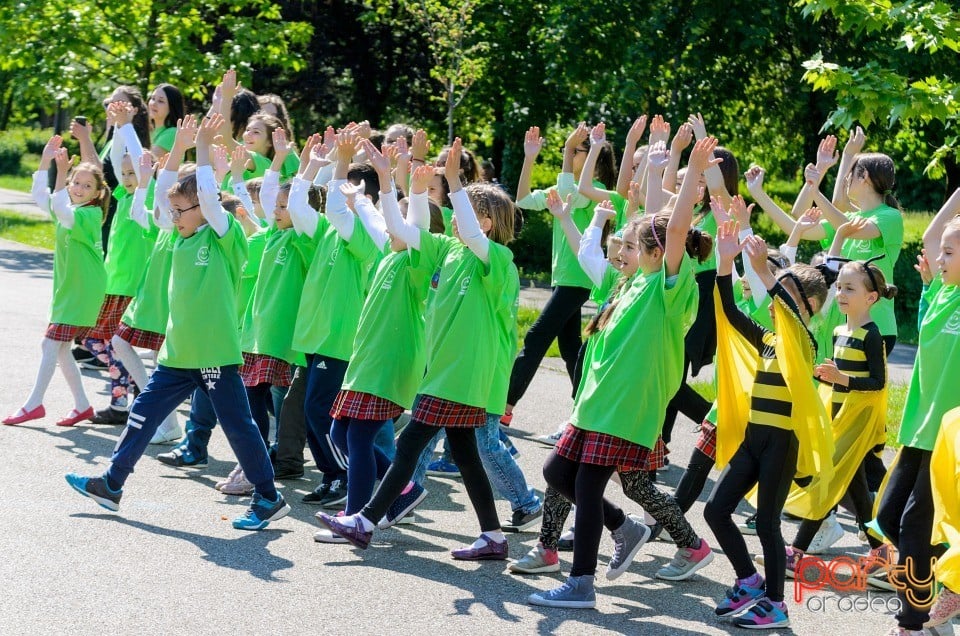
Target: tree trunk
(147,69)
(451,105)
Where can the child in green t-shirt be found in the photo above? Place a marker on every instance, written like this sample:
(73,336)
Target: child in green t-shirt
(164,108)
(202,346)
(905,513)
(79,278)
(464,301)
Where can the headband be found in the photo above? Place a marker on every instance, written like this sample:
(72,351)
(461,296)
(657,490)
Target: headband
(653,228)
(866,269)
(803,293)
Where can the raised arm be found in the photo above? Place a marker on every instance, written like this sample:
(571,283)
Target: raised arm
(468,226)
(402,173)
(340,217)
(934,232)
(712,174)
(701,159)
(590,253)
(680,142)
(851,149)
(207,191)
(407,230)
(813,175)
(728,246)
(61,200)
(657,159)
(83,134)
(532,144)
(138,207)
(629,149)
(561,210)
(40,188)
(598,137)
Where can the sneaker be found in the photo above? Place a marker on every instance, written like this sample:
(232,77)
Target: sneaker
(328,536)
(317,495)
(521,520)
(686,562)
(539,560)
(903,631)
(166,438)
(22,416)
(403,506)
(577,593)
(551,439)
(93,363)
(765,614)
(627,541)
(793,559)
(336,497)
(442,468)
(75,417)
(565,544)
(261,512)
(355,534)
(944,608)
(287,474)
(81,355)
(491,551)
(96,488)
(181,457)
(229,478)
(749,526)
(740,597)
(829,533)
(877,566)
(239,485)
(110,415)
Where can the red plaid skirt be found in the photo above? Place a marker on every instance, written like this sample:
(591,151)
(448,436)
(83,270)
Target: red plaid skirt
(140,337)
(590,447)
(363,406)
(707,442)
(436,411)
(66,333)
(656,458)
(258,368)
(111,311)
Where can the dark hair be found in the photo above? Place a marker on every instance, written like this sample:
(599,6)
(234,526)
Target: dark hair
(186,187)
(469,167)
(698,244)
(231,203)
(277,102)
(813,284)
(605,171)
(254,185)
(364,173)
(437,225)
(730,169)
(270,123)
(602,317)
(243,105)
(175,103)
(882,173)
(376,138)
(141,121)
(317,197)
(873,278)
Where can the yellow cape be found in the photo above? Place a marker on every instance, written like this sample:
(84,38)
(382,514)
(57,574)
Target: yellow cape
(737,363)
(945,484)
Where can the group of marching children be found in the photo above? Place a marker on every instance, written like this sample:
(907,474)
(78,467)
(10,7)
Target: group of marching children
(376,283)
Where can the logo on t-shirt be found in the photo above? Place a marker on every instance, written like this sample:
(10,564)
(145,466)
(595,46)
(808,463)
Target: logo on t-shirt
(210,375)
(334,254)
(282,255)
(953,324)
(203,256)
(388,280)
(435,280)
(464,285)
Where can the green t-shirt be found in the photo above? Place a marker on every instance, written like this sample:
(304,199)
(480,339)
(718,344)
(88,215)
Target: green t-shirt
(707,224)
(129,246)
(163,137)
(622,393)
(79,278)
(276,299)
(601,294)
(890,222)
(508,336)
(334,291)
(389,354)
(464,302)
(256,243)
(289,167)
(150,308)
(933,386)
(447,214)
(202,331)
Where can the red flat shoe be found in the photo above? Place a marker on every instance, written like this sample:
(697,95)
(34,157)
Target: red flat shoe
(22,416)
(75,417)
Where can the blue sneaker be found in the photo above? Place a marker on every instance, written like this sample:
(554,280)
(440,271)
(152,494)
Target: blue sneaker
(765,614)
(96,488)
(443,468)
(181,456)
(739,598)
(402,506)
(261,513)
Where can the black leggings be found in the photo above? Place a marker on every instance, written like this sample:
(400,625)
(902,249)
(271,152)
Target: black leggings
(583,484)
(693,480)
(906,517)
(560,320)
(686,401)
(767,458)
(261,400)
(463,447)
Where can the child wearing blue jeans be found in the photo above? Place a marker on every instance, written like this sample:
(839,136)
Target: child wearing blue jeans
(207,262)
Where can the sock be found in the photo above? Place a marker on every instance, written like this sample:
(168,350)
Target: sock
(754,580)
(496,536)
(112,485)
(270,495)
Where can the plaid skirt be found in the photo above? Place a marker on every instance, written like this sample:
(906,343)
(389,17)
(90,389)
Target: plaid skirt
(435,411)
(258,369)
(66,333)
(111,311)
(707,442)
(590,447)
(656,458)
(140,337)
(363,406)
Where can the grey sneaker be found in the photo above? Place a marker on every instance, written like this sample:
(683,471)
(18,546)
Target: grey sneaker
(521,520)
(686,562)
(577,593)
(539,560)
(627,541)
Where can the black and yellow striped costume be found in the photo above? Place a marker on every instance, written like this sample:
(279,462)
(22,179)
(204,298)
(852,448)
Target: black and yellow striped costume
(858,353)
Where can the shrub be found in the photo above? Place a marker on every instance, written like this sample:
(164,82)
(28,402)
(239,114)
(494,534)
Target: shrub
(12,149)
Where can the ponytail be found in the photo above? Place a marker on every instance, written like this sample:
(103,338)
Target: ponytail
(602,317)
(699,245)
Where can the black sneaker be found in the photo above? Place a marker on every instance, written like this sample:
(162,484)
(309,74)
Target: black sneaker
(81,355)
(94,364)
(287,474)
(565,544)
(180,457)
(523,520)
(317,495)
(96,488)
(337,495)
(110,415)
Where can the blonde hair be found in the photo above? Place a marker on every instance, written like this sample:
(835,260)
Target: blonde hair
(492,202)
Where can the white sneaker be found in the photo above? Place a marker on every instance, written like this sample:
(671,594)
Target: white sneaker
(167,437)
(230,478)
(829,533)
(327,536)
(552,438)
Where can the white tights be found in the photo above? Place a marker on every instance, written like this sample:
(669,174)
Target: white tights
(51,352)
(124,351)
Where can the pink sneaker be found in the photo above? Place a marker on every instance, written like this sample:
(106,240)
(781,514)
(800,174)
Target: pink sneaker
(233,475)
(944,608)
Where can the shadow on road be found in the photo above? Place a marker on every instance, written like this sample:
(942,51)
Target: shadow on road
(37,264)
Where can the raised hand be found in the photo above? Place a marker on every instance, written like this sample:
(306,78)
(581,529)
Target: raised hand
(852,227)
(809,219)
(855,143)
(350,191)
(598,134)
(62,159)
(923,267)
(391,153)
(51,148)
(659,130)
(146,168)
(605,212)
(220,161)
(121,113)
(346,145)
(559,208)
(636,131)
(403,150)
(229,86)
(238,162)
(699,126)
(532,142)
(216,103)
(682,139)
(186,136)
(741,211)
(421,178)
(756,250)
(80,131)
(377,159)
(281,147)
(719,212)
(451,169)
(658,157)
(208,129)
(420,145)
(633,195)
(827,153)
(702,156)
(728,242)
(754,178)
(576,138)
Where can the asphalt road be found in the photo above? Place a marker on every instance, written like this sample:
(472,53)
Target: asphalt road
(169,561)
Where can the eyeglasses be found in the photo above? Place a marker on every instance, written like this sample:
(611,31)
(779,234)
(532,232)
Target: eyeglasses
(175,214)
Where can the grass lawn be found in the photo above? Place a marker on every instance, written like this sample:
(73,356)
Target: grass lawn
(27,230)
(15,182)
(525,319)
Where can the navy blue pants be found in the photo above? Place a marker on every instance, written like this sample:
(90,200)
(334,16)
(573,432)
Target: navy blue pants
(324,379)
(166,389)
(200,425)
